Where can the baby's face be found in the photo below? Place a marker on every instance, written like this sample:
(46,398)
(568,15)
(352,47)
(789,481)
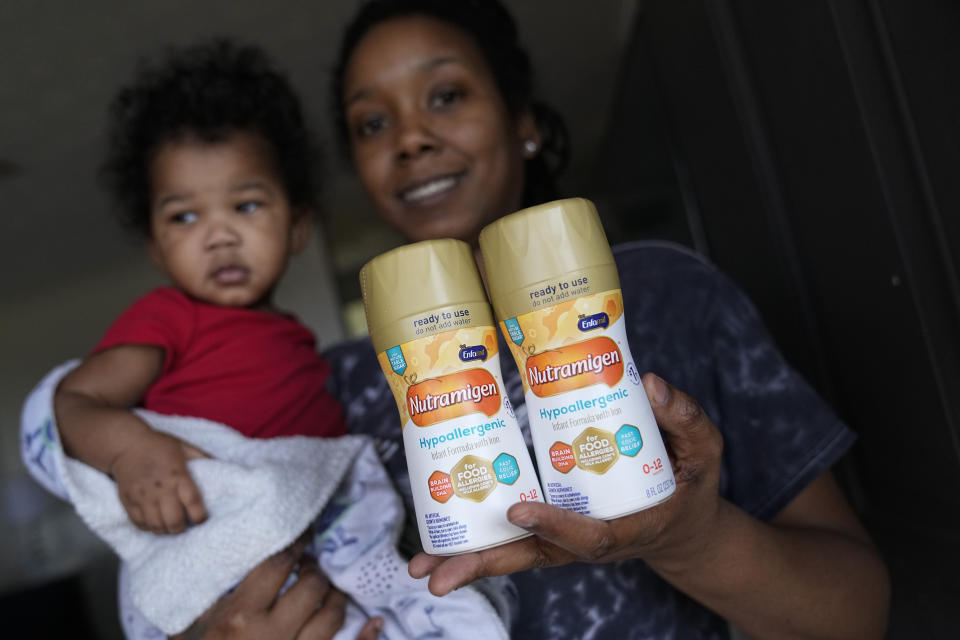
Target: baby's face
(222,227)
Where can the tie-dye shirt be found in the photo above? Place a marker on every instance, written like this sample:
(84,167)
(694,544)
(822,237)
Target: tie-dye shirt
(689,324)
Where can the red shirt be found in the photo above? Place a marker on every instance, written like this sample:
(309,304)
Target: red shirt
(255,371)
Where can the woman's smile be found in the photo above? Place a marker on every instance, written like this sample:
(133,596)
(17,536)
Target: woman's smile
(431,191)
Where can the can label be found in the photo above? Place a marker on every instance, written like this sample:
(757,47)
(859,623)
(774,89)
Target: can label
(598,447)
(453,396)
(465,453)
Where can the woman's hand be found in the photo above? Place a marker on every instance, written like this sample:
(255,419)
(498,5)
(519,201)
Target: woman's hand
(811,572)
(311,609)
(668,535)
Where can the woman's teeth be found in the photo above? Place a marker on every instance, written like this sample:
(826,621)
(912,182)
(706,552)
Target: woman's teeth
(428,189)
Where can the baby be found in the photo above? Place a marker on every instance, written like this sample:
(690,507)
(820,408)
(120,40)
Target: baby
(211,159)
(212,162)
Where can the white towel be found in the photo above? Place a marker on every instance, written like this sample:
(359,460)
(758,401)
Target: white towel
(260,495)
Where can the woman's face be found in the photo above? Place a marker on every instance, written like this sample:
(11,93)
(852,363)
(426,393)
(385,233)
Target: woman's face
(431,137)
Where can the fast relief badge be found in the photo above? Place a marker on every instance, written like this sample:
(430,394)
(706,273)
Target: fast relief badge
(436,341)
(555,290)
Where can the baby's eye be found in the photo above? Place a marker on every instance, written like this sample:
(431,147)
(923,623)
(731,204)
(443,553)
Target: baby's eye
(445,96)
(184,217)
(248,207)
(370,126)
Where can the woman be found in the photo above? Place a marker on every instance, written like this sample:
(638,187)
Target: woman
(433,100)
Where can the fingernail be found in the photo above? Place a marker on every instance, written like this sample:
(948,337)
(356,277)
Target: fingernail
(524,522)
(661,392)
(524,519)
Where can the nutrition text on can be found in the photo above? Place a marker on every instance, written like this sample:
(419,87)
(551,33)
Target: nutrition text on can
(436,341)
(554,287)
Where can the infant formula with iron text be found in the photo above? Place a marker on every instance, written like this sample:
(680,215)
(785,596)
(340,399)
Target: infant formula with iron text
(555,290)
(436,340)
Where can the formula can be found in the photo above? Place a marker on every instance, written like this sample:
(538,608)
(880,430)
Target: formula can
(554,287)
(436,340)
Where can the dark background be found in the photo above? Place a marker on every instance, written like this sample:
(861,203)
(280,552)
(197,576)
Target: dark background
(815,151)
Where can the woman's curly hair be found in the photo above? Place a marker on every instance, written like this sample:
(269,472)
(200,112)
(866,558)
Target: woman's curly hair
(207,91)
(495,33)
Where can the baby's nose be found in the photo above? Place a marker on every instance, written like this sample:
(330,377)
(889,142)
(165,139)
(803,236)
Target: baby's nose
(221,234)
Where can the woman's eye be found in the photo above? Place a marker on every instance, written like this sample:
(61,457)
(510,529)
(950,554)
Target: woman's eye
(370,126)
(445,97)
(184,217)
(248,207)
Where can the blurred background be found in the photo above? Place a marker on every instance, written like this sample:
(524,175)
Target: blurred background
(811,150)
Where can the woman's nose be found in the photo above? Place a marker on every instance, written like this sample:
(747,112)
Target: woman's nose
(414,138)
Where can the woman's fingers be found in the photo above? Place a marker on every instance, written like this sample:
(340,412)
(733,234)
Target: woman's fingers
(580,536)
(326,622)
(260,587)
(371,629)
(694,443)
(687,429)
(241,614)
(294,608)
(457,571)
(447,574)
(307,593)
(311,609)
(423,564)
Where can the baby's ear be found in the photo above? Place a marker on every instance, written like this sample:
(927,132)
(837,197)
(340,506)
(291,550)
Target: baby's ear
(300,229)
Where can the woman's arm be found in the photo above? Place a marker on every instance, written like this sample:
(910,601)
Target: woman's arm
(92,406)
(811,573)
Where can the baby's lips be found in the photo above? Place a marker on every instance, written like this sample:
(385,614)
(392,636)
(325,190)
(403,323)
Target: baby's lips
(231,274)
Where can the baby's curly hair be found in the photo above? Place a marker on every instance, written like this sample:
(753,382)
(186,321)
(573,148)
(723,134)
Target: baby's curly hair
(207,91)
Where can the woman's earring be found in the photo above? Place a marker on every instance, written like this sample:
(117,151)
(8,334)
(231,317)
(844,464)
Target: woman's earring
(530,147)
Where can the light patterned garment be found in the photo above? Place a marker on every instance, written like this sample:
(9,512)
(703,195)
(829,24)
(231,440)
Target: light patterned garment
(690,325)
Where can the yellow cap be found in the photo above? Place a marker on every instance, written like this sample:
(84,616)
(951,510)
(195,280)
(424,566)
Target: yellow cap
(414,291)
(527,252)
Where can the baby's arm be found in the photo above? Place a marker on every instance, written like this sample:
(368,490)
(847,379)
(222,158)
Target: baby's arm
(92,406)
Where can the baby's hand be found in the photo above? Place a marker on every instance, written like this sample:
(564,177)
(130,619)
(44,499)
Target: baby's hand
(155,486)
